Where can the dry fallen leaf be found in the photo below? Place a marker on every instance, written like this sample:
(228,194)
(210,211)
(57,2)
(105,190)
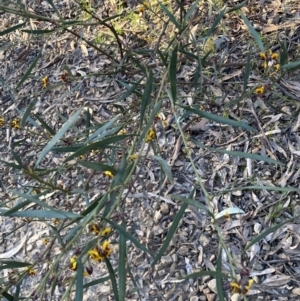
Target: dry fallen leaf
(276,280)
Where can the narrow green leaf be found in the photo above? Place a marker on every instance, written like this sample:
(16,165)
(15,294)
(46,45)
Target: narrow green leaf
(163,57)
(31,198)
(173,74)
(219,279)
(129,89)
(39,31)
(17,207)
(128,236)
(217,21)
(254,33)
(260,187)
(45,125)
(57,136)
(204,61)
(191,202)
(292,66)
(12,264)
(197,76)
(72,233)
(27,73)
(11,29)
(146,97)
(27,112)
(239,154)
(91,207)
(150,121)
(102,129)
(54,282)
(8,296)
(170,15)
(189,54)
(17,291)
(120,176)
(97,145)
(204,273)
(237,7)
(98,166)
(97,281)
(122,274)
(79,281)
(247,72)
(112,278)
(283,53)
(59,239)
(18,159)
(267,232)
(15,166)
(165,166)
(136,287)
(44,214)
(182,9)
(190,11)
(67,149)
(88,122)
(170,234)
(220,119)
(53,6)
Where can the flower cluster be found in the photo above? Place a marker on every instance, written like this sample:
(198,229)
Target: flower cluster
(73,263)
(73,266)
(31,272)
(109,174)
(270,60)
(95,229)
(2,121)
(237,288)
(122,132)
(99,253)
(260,90)
(15,123)
(45,81)
(150,135)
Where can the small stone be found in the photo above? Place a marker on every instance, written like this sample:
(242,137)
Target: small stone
(212,284)
(204,240)
(205,278)
(237,193)
(257,228)
(164,208)
(174,257)
(257,266)
(157,230)
(211,297)
(183,250)
(194,298)
(235,297)
(157,216)
(212,257)
(166,260)
(296,291)
(297,213)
